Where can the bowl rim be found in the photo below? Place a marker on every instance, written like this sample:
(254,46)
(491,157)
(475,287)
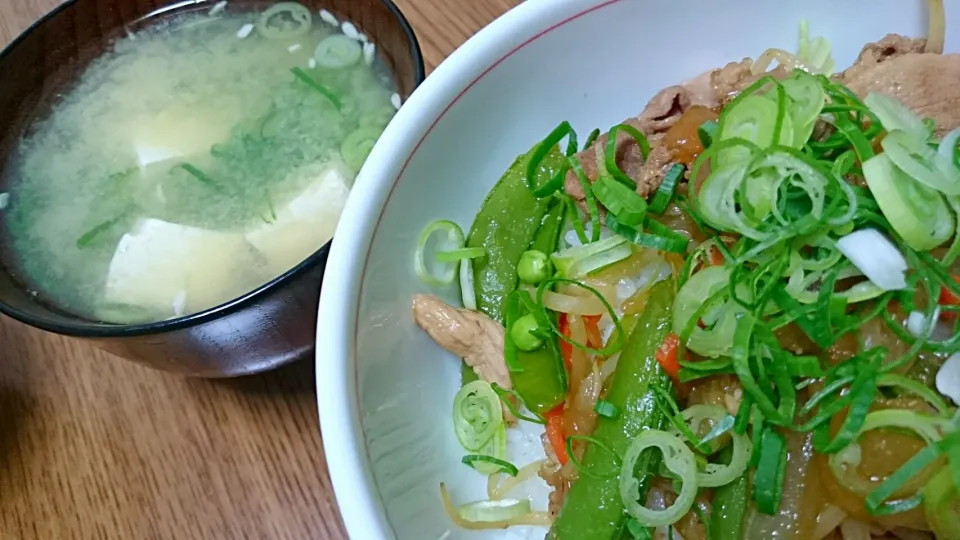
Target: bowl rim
(338,395)
(94,329)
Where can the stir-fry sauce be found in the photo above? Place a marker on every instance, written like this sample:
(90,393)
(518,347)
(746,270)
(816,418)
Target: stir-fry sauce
(683,139)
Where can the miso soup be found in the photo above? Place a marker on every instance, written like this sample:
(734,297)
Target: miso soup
(196,160)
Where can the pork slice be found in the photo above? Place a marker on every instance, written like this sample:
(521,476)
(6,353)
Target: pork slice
(891,46)
(628,155)
(924,83)
(660,114)
(735,77)
(654,170)
(471,335)
(663,111)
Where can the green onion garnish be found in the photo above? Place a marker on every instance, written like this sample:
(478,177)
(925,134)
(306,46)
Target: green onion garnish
(454,240)
(706,132)
(610,152)
(508,395)
(626,204)
(659,237)
(203,177)
(591,138)
(876,500)
(606,409)
(543,149)
(589,198)
(666,190)
(460,254)
(504,466)
(768,480)
(323,90)
(88,238)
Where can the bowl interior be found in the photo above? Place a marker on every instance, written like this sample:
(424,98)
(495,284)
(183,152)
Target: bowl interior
(385,389)
(44,62)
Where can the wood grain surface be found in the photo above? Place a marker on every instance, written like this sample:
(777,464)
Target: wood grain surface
(95,447)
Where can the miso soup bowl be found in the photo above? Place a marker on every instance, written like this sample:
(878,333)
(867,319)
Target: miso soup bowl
(265,328)
(385,390)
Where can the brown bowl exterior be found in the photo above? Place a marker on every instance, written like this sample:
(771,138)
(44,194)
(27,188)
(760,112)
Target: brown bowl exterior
(268,327)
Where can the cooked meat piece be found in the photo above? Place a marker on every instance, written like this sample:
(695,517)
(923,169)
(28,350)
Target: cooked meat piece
(654,170)
(658,116)
(701,90)
(891,46)
(729,80)
(925,83)
(628,156)
(710,89)
(471,335)
(664,109)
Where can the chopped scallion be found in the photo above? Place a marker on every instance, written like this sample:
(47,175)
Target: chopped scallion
(504,466)
(666,190)
(606,409)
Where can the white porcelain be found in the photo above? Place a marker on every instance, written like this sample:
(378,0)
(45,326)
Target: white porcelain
(384,389)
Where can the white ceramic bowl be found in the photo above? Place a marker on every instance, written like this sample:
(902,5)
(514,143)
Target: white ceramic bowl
(384,388)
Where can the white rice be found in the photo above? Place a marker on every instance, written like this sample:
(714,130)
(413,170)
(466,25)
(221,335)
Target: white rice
(294,48)
(312,63)
(4,200)
(395,100)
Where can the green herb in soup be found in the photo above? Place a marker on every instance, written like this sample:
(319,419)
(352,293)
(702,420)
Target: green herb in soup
(198,159)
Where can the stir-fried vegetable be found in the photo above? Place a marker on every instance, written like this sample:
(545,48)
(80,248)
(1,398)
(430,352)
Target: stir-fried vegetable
(811,271)
(594,507)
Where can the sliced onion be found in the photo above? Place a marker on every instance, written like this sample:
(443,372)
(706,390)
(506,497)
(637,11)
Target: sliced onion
(918,213)
(853,529)
(906,533)
(454,240)
(949,144)
(918,325)
(828,520)
(491,509)
(572,240)
(574,305)
(609,366)
(877,257)
(487,511)
(894,115)
(578,261)
(784,58)
(948,378)
(677,458)
(467,291)
(922,163)
(499,485)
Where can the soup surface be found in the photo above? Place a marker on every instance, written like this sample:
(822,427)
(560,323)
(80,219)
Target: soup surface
(196,160)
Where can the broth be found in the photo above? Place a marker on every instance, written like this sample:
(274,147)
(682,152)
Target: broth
(195,161)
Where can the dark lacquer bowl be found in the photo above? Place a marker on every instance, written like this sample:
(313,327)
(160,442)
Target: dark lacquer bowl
(265,328)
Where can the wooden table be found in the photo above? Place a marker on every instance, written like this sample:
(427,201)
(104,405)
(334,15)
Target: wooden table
(92,446)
